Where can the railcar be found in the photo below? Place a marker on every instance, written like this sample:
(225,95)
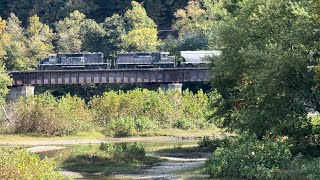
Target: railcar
(144,60)
(73,61)
(197,58)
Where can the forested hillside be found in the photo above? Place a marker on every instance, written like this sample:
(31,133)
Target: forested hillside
(50,11)
(32,29)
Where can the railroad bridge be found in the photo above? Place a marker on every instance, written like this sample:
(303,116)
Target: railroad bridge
(168,78)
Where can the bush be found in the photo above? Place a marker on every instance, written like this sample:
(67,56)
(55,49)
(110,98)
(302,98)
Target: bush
(122,127)
(107,147)
(45,114)
(183,124)
(145,123)
(16,163)
(81,149)
(300,168)
(214,143)
(124,151)
(249,158)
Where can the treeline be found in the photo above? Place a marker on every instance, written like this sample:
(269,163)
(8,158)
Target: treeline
(51,11)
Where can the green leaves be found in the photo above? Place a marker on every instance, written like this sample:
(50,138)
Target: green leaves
(16,163)
(263,74)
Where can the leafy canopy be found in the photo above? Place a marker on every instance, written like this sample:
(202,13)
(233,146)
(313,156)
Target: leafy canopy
(265,73)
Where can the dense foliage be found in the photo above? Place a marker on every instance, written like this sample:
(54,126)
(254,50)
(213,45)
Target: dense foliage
(266,74)
(115,113)
(16,163)
(45,114)
(140,110)
(250,158)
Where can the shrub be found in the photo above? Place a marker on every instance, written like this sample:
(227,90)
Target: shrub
(300,168)
(122,127)
(124,151)
(107,147)
(214,143)
(16,163)
(81,149)
(45,114)
(249,158)
(145,123)
(183,124)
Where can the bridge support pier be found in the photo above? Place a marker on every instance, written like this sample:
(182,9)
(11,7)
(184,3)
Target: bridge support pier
(16,92)
(171,87)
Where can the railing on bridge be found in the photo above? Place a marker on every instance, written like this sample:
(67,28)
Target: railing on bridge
(105,76)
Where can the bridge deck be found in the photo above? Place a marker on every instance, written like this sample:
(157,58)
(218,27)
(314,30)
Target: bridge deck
(100,76)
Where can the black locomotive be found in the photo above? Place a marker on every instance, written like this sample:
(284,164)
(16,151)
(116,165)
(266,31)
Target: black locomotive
(123,60)
(74,61)
(144,60)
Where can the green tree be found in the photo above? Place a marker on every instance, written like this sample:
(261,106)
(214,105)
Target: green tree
(92,36)
(190,19)
(265,72)
(137,17)
(142,35)
(13,45)
(39,42)
(114,27)
(143,40)
(5,82)
(2,24)
(69,38)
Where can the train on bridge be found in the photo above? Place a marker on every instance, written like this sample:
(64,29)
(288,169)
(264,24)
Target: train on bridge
(86,60)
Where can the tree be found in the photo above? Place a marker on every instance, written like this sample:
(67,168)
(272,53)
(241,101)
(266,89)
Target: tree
(92,35)
(39,42)
(114,27)
(137,17)
(2,25)
(12,44)
(264,74)
(143,40)
(190,20)
(142,35)
(5,82)
(69,39)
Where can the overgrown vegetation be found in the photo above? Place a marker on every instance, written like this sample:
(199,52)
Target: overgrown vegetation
(16,163)
(250,158)
(125,114)
(47,115)
(106,158)
(114,113)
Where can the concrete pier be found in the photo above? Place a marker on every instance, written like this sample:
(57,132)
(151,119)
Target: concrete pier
(171,87)
(16,92)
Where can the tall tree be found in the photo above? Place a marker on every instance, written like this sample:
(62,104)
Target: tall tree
(114,27)
(92,35)
(190,20)
(265,72)
(39,41)
(142,35)
(143,40)
(13,45)
(137,17)
(68,29)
